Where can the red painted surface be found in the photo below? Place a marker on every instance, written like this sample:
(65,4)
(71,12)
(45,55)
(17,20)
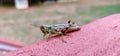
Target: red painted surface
(10,42)
(99,38)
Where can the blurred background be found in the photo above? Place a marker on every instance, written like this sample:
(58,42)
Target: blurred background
(22,25)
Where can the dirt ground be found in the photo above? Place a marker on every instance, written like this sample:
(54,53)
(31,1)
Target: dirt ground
(17,23)
(82,3)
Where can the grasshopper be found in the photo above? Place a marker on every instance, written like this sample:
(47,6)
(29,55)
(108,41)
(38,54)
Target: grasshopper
(59,29)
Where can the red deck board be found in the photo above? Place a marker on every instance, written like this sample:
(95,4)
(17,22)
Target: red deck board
(10,42)
(98,38)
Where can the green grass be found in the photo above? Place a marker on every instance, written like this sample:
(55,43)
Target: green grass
(17,25)
(99,11)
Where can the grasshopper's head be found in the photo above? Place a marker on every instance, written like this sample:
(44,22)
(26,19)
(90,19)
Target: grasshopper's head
(70,22)
(45,29)
(73,26)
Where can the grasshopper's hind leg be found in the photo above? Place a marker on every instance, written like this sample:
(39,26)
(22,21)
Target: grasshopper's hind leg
(44,35)
(48,37)
(62,37)
(56,33)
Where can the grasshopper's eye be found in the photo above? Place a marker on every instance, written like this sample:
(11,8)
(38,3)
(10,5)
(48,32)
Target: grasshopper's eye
(69,21)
